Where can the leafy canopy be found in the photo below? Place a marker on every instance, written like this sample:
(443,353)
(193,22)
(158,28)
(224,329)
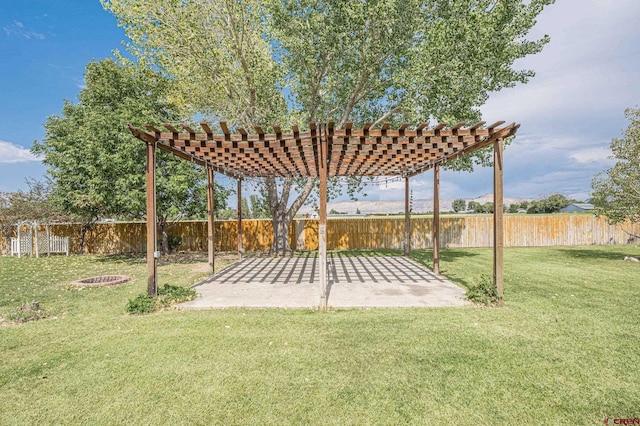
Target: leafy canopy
(98,167)
(616,192)
(258,62)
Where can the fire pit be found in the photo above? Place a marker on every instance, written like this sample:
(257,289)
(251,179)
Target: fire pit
(102,280)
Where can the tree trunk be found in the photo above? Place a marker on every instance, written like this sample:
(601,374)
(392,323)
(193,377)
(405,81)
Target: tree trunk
(162,228)
(281,225)
(86,227)
(83,234)
(281,215)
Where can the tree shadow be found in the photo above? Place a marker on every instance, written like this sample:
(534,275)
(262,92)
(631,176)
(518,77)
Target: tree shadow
(619,253)
(172,258)
(127,258)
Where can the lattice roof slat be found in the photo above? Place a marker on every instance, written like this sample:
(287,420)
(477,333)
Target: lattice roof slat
(351,152)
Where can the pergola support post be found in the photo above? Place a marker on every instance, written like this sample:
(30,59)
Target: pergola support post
(240,247)
(407,218)
(152,253)
(322,223)
(436,219)
(498,224)
(211,247)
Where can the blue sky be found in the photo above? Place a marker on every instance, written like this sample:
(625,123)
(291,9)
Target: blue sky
(569,112)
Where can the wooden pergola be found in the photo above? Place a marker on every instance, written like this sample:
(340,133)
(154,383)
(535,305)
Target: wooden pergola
(324,152)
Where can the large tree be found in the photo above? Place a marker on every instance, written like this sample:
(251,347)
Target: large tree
(98,167)
(254,62)
(616,192)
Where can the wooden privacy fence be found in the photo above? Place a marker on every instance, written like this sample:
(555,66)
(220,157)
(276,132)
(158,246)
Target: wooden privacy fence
(360,233)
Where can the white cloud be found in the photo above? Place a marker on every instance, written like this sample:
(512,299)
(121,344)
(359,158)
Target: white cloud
(18,28)
(11,153)
(592,155)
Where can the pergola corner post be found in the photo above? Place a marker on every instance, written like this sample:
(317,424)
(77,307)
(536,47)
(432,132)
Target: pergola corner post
(436,219)
(498,224)
(211,247)
(407,218)
(322,222)
(240,246)
(152,253)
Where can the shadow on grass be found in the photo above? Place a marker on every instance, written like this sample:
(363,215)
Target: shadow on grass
(173,258)
(598,254)
(128,258)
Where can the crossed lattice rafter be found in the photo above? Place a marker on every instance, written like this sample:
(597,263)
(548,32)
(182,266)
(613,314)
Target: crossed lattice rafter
(351,152)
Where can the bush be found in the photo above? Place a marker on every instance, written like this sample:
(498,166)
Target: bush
(171,294)
(167,296)
(174,242)
(483,292)
(142,304)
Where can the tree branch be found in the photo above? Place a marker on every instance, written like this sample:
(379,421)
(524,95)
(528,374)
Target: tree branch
(272,191)
(388,114)
(304,194)
(286,189)
(353,99)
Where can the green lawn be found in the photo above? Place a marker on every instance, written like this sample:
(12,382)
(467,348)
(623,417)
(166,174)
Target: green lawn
(565,349)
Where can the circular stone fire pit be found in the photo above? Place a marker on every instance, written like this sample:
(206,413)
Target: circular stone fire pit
(102,280)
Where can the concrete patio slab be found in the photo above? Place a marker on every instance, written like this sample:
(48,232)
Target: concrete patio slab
(354,282)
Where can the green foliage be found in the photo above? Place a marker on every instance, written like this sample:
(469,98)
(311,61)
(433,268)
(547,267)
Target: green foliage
(552,204)
(172,294)
(260,205)
(168,295)
(142,304)
(227,214)
(174,242)
(476,207)
(98,167)
(616,192)
(483,292)
(459,205)
(32,205)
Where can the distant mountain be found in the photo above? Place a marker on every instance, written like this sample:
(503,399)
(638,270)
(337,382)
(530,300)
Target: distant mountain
(395,207)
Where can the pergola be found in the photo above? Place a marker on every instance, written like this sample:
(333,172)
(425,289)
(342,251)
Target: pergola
(324,152)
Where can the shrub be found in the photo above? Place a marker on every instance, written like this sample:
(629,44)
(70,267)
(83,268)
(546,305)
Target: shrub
(174,242)
(142,304)
(171,294)
(483,292)
(167,296)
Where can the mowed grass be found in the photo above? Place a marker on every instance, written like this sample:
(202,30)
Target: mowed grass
(565,349)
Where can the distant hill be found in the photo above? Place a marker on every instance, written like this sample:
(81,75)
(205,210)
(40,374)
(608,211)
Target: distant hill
(394,207)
